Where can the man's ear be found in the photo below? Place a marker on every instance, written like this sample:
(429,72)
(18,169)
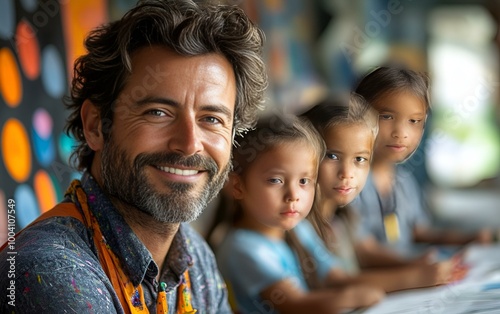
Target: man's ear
(236,186)
(92,127)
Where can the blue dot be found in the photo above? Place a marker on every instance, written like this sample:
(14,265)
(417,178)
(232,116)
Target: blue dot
(7,19)
(66,144)
(29,5)
(53,78)
(44,149)
(26,205)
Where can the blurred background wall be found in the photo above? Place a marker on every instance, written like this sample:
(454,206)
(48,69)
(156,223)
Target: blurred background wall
(312,46)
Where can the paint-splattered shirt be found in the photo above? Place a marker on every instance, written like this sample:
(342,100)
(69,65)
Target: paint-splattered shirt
(57,269)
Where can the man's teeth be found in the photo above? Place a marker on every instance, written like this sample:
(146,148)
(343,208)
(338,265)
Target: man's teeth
(181,172)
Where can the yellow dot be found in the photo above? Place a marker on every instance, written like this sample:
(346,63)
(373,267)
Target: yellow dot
(10,78)
(16,151)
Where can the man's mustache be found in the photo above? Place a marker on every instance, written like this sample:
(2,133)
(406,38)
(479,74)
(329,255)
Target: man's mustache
(173,159)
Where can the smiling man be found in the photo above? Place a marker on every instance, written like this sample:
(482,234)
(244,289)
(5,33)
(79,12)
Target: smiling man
(154,105)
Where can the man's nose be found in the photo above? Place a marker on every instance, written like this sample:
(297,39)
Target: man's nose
(185,137)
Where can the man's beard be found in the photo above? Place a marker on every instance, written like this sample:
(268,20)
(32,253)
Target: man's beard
(127,182)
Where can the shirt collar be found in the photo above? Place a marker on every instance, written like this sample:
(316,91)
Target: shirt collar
(134,256)
(179,258)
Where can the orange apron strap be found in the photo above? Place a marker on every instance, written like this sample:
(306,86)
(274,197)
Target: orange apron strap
(60,210)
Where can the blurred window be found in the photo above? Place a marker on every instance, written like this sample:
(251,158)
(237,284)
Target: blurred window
(463,146)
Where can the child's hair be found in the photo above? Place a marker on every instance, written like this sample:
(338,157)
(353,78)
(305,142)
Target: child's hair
(342,110)
(384,80)
(270,132)
(333,111)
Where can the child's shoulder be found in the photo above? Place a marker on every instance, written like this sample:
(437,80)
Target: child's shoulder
(304,228)
(248,241)
(250,246)
(368,194)
(405,177)
(306,233)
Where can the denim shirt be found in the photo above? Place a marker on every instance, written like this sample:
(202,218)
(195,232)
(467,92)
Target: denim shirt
(57,269)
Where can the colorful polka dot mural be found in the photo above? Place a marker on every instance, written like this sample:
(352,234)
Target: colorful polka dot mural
(39,41)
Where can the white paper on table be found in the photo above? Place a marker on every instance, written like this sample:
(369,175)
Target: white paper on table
(467,296)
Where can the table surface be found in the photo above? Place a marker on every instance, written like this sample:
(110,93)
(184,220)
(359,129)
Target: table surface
(478,292)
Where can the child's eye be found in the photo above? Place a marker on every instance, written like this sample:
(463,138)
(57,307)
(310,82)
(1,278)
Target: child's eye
(304,181)
(385,117)
(332,156)
(275,181)
(361,159)
(415,121)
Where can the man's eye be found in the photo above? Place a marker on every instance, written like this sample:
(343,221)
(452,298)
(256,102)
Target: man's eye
(212,120)
(156,112)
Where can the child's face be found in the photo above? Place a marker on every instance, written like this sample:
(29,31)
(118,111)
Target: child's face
(401,125)
(343,171)
(277,190)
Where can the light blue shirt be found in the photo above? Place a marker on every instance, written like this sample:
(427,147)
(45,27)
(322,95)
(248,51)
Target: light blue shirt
(406,202)
(250,262)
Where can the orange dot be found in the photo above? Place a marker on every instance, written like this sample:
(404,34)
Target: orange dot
(274,5)
(16,151)
(78,18)
(44,190)
(28,50)
(10,78)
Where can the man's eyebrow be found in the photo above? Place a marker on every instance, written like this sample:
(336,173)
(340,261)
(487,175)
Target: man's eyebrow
(166,101)
(219,109)
(157,100)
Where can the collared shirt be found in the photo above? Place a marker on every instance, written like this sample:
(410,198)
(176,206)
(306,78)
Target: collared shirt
(57,269)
